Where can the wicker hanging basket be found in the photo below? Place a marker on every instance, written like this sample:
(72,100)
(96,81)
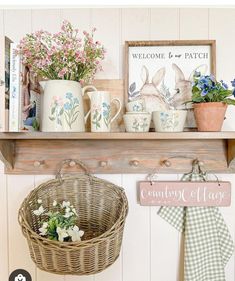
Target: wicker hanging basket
(102,207)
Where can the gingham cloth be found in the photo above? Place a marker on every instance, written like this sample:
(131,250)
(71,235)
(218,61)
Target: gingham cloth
(208,244)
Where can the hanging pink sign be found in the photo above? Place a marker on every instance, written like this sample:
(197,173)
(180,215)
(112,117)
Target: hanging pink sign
(179,193)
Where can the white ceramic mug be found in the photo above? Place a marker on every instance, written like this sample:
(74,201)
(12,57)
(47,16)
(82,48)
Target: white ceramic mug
(169,120)
(136,106)
(137,121)
(101,110)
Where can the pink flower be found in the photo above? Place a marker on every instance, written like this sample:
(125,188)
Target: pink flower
(62,72)
(63,52)
(44,62)
(50,52)
(60,101)
(28,53)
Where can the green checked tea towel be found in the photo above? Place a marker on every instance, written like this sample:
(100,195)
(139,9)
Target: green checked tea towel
(208,244)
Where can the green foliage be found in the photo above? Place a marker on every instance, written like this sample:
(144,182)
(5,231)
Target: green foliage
(59,223)
(207,89)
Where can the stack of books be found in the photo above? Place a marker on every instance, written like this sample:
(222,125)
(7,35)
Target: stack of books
(20,104)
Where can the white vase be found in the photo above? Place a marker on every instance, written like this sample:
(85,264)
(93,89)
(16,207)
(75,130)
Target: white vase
(63,106)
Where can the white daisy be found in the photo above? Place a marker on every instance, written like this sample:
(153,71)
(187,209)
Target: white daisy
(39,211)
(65,204)
(62,233)
(43,229)
(54,203)
(75,233)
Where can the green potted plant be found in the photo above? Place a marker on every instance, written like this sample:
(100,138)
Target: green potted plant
(210,99)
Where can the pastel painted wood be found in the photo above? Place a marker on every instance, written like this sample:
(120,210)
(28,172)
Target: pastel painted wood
(179,193)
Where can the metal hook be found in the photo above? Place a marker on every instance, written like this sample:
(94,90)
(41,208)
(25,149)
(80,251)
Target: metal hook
(152,176)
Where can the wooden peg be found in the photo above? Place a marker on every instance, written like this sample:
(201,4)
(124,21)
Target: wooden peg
(38,164)
(134,163)
(72,163)
(201,163)
(166,163)
(103,164)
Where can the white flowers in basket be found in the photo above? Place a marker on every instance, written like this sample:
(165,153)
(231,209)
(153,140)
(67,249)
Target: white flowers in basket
(60,223)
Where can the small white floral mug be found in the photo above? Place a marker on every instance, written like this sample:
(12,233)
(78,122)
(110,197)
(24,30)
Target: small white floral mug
(101,111)
(136,106)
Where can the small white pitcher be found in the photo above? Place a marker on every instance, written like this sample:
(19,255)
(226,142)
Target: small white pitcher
(101,110)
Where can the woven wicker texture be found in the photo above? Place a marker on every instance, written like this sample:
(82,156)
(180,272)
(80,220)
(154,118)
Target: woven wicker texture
(102,208)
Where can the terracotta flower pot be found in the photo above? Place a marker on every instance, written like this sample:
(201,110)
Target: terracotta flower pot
(210,116)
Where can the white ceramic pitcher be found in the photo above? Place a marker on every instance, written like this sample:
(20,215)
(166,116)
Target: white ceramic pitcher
(63,106)
(101,110)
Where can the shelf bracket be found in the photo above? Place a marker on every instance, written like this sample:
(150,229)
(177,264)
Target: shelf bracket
(7,153)
(231,153)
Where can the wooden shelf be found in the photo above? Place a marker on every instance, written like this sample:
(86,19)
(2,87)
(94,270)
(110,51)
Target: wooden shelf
(117,136)
(40,153)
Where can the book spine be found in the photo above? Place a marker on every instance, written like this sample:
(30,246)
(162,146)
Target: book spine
(22,93)
(14,90)
(4,83)
(2,86)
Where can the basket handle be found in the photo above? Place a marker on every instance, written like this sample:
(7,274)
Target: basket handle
(71,163)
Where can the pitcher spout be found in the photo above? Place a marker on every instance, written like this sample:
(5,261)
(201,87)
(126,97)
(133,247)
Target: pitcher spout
(43,84)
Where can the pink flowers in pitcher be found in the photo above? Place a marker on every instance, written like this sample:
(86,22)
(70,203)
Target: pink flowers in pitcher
(63,55)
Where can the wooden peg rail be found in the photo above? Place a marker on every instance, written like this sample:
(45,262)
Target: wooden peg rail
(40,153)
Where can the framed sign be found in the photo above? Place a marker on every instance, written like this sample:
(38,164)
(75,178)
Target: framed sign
(161,72)
(181,193)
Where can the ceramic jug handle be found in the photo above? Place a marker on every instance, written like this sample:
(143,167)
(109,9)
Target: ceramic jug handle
(119,108)
(88,87)
(84,90)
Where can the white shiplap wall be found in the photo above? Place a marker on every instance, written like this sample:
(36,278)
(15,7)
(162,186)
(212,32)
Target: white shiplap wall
(151,247)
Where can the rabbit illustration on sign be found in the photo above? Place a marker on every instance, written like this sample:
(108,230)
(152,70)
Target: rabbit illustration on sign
(150,92)
(183,88)
(153,92)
